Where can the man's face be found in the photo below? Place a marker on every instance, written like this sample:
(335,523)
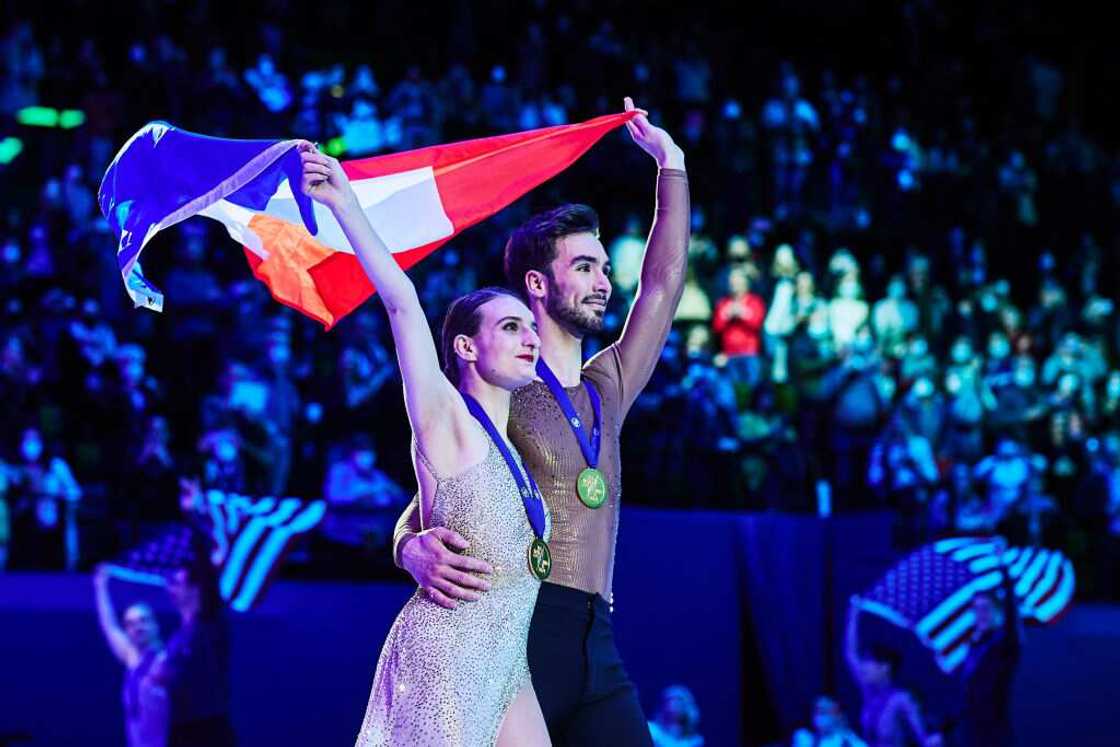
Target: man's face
(140,625)
(875,672)
(984,608)
(183,593)
(580,286)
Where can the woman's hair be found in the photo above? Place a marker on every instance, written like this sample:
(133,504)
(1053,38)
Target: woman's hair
(462,318)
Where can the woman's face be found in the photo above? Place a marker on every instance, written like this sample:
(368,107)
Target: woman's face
(506,347)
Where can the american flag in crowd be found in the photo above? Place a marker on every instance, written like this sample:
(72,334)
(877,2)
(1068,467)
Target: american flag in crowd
(931,590)
(248,539)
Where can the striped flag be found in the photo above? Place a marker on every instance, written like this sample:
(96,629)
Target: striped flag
(248,537)
(931,590)
(416,200)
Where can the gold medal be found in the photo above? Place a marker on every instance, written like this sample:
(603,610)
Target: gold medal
(592,487)
(540,559)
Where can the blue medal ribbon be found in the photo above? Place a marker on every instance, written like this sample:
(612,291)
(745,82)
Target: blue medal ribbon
(530,494)
(588,445)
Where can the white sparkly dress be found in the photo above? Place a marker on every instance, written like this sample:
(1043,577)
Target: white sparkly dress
(447,677)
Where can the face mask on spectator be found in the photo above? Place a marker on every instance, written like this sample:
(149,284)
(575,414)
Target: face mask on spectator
(279,354)
(923,388)
(32,449)
(1067,385)
(1113,387)
(999,348)
(824,723)
(961,352)
(849,289)
(225,451)
(46,513)
(364,459)
(1024,376)
(132,372)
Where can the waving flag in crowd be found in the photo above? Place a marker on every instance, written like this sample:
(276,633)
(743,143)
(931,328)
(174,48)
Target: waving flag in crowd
(246,538)
(931,590)
(416,200)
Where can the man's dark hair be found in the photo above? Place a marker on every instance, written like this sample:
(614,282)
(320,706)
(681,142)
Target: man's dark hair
(202,575)
(883,654)
(533,245)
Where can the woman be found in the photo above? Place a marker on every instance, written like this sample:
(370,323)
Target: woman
(45,499)
(456,676)
(137,645)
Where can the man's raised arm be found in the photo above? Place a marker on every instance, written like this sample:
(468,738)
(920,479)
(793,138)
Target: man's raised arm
(432,557)
(665,262)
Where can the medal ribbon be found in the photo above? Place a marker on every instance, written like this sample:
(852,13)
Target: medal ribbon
(589,446)
(530,494)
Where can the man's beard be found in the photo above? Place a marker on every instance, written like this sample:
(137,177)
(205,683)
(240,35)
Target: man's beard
(579,320)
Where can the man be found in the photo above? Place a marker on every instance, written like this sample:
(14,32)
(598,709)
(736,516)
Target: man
(559,265)
(196,665)
(137,645)
(987,672)
(890,716)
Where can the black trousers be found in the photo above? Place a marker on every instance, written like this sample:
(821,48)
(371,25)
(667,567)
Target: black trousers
(216,731)
(582,686)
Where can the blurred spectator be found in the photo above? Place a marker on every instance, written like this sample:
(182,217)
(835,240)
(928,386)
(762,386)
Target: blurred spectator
(364,366)
(363,502)
(1109,410)
(5,514)
(894,317)
(855,387)
(677,721)
(1019,183)
(738,322)
(149,487)
(411,103)
(958,507)
(847,311)
(23,68)
(931,300)
(902,469)
(889,715)
(626,253)
(830,728)
(781,319)
(962,433)
(270,85)
(695,306)
(709,432)
(1006,475)
(44,496)
(793,123)
(1051,317)
(222,466)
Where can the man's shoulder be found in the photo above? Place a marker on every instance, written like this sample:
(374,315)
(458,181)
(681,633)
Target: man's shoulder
(605,370)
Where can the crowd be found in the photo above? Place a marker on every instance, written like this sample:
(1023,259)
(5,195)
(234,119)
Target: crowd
(901,290)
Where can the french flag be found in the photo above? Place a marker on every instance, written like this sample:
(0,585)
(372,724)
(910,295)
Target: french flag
(416,200)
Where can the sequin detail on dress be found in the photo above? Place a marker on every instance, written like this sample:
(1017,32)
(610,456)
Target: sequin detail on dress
(447,677)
